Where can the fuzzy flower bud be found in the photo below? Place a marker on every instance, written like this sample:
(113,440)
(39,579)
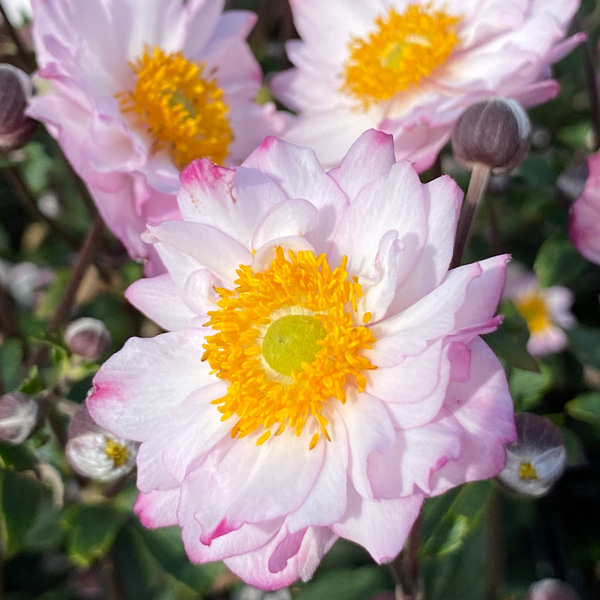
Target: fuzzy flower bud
(537,459)
(18,415)
(551,589)
(495,133)
(94,452)
(15,90)
(87,337)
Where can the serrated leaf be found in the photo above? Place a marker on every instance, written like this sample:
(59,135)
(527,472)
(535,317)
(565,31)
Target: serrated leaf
(450,518)
(91,530)
(346,584)
(585,408)
(166,547)
(20,501)
(558,263)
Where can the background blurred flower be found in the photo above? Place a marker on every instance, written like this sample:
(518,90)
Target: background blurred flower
(545,310)
(17,11)
(96,453)
(136,89)
(585,214)
(551,589)
(18,416)
(411,68)
(538,457)
(342,377)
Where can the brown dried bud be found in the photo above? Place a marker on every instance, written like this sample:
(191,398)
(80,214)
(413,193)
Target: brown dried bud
(538,457)
(18,416)
(88,338)
(15,90)
(495,133)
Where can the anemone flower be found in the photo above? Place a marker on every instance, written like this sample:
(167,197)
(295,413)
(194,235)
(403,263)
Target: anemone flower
(547,311)
(135,89)
(585,214)
(323,371)
(410,68)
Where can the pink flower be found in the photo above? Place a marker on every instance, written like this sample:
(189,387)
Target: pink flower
(585,214)
(136,89)
(410,68)
(545,310)
(323,371)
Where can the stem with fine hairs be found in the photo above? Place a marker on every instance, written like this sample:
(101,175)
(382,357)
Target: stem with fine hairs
(477,186)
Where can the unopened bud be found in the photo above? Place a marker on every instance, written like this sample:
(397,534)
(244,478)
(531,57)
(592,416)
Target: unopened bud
(15,90)
(18,416)
(551,589)
(96,453)
(495,133)
(538,457)
(87,337)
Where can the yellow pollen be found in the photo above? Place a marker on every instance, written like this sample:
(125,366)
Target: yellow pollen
(182,107)
(116,452)
(532,307)
(402,49)
(527,472)
(287,340)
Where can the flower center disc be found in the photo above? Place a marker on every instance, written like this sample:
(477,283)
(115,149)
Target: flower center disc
(534,310)
(403,49)
(287,340)
(291,341)
(182,108)
(116,452)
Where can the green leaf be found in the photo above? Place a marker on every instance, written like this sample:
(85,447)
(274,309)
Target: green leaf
(166,547)
(585,408)
(20,500)
(346,584)
(20,457)
(584,342)
(450,518)
(510,346)
(33,384)
(527,388)
(558,262)
(91,531)
(11,354)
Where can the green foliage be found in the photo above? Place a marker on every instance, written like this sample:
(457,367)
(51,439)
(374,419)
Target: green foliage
(91,530)
(585,408)
(346,584)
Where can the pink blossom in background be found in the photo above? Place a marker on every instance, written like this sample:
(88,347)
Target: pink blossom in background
(410,68)
(135,89)
(547,311)
(585,214)
(322,373)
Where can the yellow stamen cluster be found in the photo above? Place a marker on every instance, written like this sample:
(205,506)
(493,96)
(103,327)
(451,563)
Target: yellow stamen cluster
(183,108)
(527,472)
(404,48)
(258,396)
(116,452)
(533,308)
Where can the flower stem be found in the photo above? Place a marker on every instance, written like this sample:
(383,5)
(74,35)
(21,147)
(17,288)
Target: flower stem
(405,567)
(587,52)
(477,186)
(84,260)
(25,58)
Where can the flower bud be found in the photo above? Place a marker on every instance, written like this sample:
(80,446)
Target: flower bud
(538,457)
(495,133)
(94,452)
(18,416)
(15,90)
(87,337)
(551,589)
